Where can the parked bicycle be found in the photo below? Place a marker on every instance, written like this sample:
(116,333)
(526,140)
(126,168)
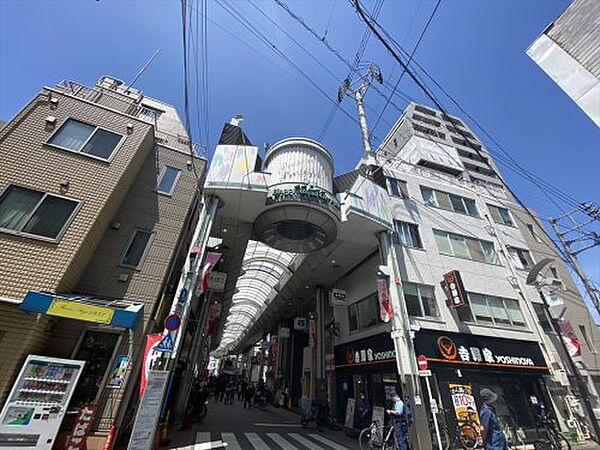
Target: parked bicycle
(377,436)
(320,414)
(466,434)
(554,440)
(515,436)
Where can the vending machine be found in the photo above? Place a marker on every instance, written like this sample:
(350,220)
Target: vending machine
(37,402)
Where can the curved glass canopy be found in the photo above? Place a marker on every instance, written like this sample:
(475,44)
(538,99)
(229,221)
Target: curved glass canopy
(263,267)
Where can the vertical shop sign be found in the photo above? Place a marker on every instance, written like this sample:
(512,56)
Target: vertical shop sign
(465,408)
(116,378)
(81,428)
(454,288)
(210,261)
(349,422)
(152,340)
(569,338)
(385,309)
(312,333)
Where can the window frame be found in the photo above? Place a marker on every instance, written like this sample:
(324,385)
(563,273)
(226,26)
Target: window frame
(62,231)
(162,174)
(464,239)
(397,239)
(510,249)
(144,253)
(388,183)
(420,299)
(499,211)
(354,305)
(436,203)
(473,319)
(79,152)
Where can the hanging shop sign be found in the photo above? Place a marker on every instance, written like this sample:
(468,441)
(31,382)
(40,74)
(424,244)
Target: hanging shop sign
(210,261)
(373,350)
(216,281)
(569,338)
(454,289)
(81,428)
(119,313)
(284,332)
(303,193)
(312,333)
(337,297)
(116,379)
(300,323)
(150,355)
(383,295)
(470,350)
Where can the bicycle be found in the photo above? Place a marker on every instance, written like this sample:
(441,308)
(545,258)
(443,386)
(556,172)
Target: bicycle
(515,436)
(554,439)
(376,436)
(320,414)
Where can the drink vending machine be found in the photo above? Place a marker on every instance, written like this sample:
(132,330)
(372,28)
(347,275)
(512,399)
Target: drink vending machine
(38,401)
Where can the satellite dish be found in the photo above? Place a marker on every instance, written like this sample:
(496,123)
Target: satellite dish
(535,271)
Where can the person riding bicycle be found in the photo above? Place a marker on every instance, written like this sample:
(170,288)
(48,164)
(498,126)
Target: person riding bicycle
(400,422)
(491,432)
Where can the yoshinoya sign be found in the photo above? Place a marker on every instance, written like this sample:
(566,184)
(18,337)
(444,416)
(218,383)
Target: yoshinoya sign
(374,350)
(469,350)
(454,288)
(294,192)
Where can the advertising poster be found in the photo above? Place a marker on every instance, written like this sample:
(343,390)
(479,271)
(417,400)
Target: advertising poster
(81,428)
(152,340)
(465,407)
(349,423)
(385,309)
(118,371)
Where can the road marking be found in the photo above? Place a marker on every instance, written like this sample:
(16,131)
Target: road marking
(326,441)
(279,440)
(283,425)
(257,442)
(230,439)
(203,442)
(305,441)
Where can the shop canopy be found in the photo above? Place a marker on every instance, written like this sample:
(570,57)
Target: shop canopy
(115,312)
(262,268)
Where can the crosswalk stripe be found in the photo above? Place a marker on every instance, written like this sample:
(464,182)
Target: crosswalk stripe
(324,440)
(232,442)
(279,440)
(257,442)
(305,442)
(203,442)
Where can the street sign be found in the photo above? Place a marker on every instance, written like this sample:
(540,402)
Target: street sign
(422,362)
(183,295)
(166,344)
(172,322)
(424,373)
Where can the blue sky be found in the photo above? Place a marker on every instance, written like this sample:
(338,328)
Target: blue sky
(475,49)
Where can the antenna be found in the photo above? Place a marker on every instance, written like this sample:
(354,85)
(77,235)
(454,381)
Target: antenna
(141,71)
(358,89)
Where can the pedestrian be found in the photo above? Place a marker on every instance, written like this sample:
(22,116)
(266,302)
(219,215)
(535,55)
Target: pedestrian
(249,396)
(242,390)
(399,413)
(229,393)
(491,432)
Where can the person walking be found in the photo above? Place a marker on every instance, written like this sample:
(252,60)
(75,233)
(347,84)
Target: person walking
(400,423)
(491,432)
(249,396)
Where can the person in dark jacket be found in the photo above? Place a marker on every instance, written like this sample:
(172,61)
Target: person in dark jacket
(249,396)
(491,432)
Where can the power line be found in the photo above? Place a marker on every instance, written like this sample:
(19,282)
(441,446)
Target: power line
(414,50)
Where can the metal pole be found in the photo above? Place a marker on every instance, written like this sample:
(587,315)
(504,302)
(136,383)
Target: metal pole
(144,67)
(586,283)
(362,118)
(435,421)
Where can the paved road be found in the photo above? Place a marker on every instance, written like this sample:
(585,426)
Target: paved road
(230,427)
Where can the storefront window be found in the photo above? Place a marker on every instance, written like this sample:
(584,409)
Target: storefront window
(96,349)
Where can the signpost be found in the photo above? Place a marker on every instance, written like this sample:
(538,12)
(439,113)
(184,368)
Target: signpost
(172,322)
(425,373)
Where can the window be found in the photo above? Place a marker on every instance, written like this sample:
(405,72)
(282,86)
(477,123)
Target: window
(424,110)
(407,234)
(83,138)
(501,215)
(470,155)
(542,316)
(489,310)
(586,338)
(481,170)
(465,247)
(397,187)
(533,233)
(33,212)
(451,202)
(426,120)
(420,301)
(521,258)
(168,179)
(136,249)
(150,113)
(364,313)
(429,131)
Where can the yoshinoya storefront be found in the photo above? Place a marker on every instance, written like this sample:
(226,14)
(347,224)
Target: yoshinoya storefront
(366,379)
(462,364)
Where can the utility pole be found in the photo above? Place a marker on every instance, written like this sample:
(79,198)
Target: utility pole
(585,241)
(357,90)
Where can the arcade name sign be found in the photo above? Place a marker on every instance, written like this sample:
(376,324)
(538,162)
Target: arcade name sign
(304,193)
(445,348)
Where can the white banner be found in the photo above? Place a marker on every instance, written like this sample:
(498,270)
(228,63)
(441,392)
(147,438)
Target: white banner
(146,419)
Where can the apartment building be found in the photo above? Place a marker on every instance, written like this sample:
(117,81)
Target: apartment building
(100,190)
(568,51)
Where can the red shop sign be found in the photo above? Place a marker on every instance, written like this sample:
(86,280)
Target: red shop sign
(81,429)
